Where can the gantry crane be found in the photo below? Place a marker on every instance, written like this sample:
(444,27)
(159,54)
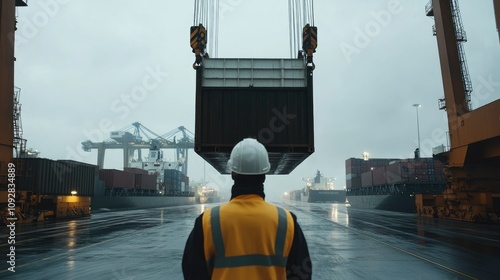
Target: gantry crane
(473,160)
(143,138)
(183,144)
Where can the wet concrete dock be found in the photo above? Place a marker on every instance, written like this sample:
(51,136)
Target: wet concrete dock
(345,243)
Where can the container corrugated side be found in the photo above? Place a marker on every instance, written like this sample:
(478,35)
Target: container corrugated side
(354,183)
(278,118)
(135,170)
(117,179)
(393,173)
(397,171)
(45,176)
(266,99)
(173,180)
(379,176)
(125,179)
(145,181)
(367,179)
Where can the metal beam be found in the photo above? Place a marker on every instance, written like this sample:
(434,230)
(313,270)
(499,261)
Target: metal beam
(101,150)
(454,91)
(7,29)
(111,145)
(129,148)
(496,7)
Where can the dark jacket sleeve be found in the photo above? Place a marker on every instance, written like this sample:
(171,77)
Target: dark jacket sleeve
(299,264)
(194,265)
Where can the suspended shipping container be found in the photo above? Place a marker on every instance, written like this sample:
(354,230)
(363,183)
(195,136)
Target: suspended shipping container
(270,100)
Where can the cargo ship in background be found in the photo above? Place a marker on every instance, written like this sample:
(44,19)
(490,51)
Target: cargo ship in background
(207,194)
(152,182)
(391,184)
(318,189)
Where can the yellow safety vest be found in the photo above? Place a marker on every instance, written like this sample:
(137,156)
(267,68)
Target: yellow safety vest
(247,238)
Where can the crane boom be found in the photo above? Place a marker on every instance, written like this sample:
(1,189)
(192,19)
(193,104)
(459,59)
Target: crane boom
(131,142)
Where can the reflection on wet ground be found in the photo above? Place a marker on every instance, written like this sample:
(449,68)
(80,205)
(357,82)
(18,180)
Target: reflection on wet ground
(345,243)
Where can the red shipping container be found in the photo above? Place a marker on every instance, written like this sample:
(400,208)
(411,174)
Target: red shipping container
(366,179)
(117,179)
(379,176)
(145,181)
(135,170)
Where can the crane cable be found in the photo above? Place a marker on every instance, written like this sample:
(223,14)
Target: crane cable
(300,13)
(216,30)
(290,31)
(206,12)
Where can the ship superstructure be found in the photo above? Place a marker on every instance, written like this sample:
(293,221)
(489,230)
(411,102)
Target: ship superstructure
(169,178)
(318,189)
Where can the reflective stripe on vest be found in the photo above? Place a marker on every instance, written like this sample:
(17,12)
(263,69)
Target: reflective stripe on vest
(221,261)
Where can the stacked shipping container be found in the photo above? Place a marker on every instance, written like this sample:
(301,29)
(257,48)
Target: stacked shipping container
(62,177)
(391,184)
(174,180)
(135,170)
(145,181)
(130,178)
(355,167)
(48,177)
(142,179)
(378,172)
(117,179)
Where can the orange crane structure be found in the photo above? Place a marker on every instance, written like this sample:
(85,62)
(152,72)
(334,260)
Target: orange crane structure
(7,31)
(472,162)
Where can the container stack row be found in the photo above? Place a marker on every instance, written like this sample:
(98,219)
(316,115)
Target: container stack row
(175,180)
(378,172)
(129,178)
(355,167)
(54,177)
(143,180)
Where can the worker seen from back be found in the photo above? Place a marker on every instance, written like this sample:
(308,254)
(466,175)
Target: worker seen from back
(247,238)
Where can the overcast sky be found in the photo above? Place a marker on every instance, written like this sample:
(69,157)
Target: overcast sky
(78,62)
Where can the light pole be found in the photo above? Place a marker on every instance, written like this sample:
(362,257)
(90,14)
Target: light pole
(418,127)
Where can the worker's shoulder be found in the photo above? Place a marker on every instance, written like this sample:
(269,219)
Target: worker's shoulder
(293,215)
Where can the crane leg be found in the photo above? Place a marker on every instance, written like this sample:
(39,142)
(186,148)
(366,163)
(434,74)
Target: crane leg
(496,7)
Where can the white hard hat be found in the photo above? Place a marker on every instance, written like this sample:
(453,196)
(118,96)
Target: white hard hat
(249,157)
